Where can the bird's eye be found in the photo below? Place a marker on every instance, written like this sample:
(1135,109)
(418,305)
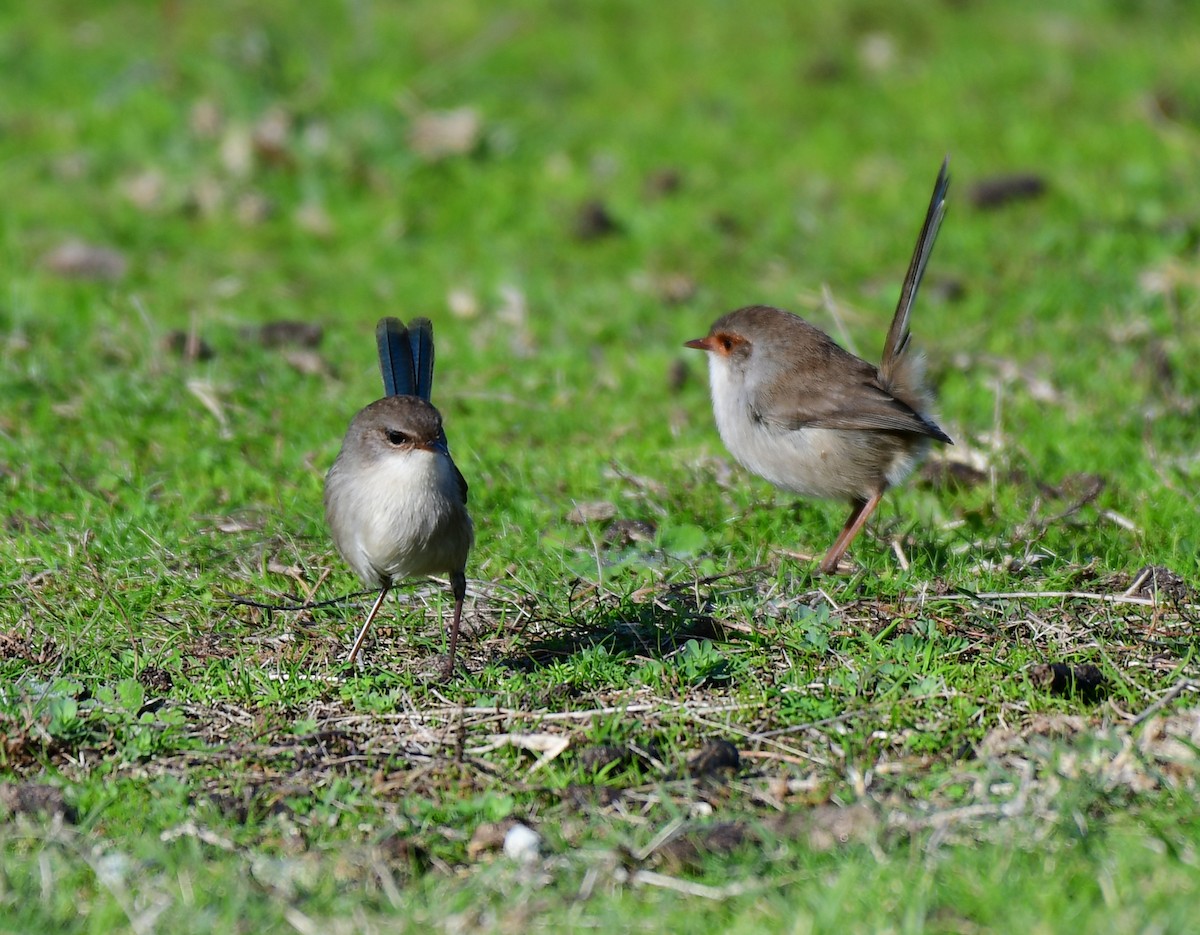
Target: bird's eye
(726,343)
(397,438)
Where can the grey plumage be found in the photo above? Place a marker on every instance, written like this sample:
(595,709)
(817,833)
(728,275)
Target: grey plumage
(396,505)
(395,501)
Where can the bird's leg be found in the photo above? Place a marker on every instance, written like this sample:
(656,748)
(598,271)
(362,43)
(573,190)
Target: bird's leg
(854,523)
(458,586)
(362,634)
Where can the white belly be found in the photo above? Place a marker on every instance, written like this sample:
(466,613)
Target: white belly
(814,462)
(402,516)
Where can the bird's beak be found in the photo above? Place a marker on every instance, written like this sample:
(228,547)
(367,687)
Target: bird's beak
(700,344)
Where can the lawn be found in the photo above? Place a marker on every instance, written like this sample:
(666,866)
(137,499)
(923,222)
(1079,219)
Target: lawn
(990,725)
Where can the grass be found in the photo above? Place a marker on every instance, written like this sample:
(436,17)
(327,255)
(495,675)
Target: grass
(176,760)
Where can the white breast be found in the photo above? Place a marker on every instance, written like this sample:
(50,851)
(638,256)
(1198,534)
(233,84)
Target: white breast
(804,461)
(399,515)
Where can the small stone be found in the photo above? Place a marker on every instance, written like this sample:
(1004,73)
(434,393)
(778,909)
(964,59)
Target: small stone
(522,844)
(592,511)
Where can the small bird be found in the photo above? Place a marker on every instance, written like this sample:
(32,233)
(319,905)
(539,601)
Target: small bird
(798,410)
(395,502)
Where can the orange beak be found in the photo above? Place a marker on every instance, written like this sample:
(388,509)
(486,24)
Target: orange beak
(700,344)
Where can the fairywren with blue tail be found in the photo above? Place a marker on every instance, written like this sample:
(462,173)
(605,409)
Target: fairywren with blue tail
(395,501)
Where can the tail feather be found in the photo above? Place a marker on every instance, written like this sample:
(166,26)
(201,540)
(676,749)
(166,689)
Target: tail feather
(395,358)
(420,338)
(898,335)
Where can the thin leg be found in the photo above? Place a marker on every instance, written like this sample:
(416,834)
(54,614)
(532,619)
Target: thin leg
(858,518)
(458,586)
(362,634)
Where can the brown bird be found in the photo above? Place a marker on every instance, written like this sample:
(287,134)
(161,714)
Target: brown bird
(812,418)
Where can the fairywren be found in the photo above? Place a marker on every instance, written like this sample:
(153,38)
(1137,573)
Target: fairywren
(812,418)
(395,502)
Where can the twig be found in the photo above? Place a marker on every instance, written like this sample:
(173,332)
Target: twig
(1174,692)
(782,757)
(240,601)
(1138,582)
(838,718)
(300,922)
(1032,595)
(687,887)
(415,585)
(799,756)
(1123,521)
(667,832)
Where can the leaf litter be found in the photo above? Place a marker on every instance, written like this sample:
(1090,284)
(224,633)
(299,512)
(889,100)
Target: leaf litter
(752,777)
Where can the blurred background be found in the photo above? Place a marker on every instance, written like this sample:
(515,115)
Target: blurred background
(571,191)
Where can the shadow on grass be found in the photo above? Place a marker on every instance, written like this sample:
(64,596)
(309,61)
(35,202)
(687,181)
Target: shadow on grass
(652,630)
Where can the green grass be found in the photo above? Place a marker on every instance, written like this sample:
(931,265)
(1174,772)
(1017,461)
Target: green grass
(215,765)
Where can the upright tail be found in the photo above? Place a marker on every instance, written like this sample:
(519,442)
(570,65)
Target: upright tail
(898,335)
(420,341)
(406,356)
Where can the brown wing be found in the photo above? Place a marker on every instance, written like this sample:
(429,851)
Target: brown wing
(840,391)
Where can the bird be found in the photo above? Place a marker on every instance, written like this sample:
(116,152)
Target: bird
(795,408)
(395,502)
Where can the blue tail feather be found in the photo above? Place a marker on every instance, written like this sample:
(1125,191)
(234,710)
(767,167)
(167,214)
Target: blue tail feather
(406,356)
(420,338)
(395,358)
